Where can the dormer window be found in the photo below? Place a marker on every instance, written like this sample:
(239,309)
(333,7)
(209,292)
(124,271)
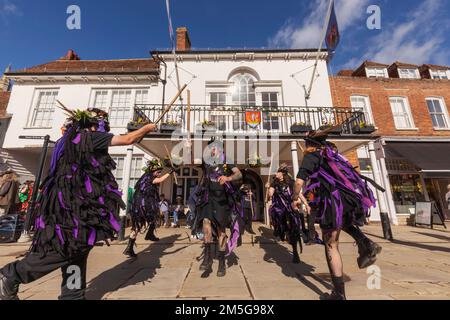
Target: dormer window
(439,74)
(408,73)
(376,73)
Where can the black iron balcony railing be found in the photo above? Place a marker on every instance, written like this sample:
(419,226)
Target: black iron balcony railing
(240,119)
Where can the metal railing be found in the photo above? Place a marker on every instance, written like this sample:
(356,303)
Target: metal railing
(243,119)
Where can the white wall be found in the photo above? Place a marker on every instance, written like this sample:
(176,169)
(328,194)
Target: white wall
(275,70)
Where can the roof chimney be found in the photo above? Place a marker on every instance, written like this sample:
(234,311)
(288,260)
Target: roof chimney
(183,40)
(71,55)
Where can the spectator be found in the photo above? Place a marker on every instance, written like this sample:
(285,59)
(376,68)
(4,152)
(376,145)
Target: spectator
(164,209)
(8,192)
(179,208)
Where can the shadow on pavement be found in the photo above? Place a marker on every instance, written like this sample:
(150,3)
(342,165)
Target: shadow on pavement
(437,236)
(276,253)
(414,244)
(147,263)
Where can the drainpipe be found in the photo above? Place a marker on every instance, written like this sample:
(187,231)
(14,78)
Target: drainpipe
(163,81)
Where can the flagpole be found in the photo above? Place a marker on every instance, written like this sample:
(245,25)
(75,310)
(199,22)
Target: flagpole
(324,34)
(173,42)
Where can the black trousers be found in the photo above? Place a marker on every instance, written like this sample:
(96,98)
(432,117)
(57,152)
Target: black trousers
(33,267)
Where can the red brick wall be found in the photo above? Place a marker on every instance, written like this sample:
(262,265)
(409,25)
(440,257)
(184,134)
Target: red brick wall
(4,98)
(352,156)
(379,91)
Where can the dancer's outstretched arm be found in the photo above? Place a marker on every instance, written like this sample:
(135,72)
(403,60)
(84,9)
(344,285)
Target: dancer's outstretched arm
(132,137)
(163,178)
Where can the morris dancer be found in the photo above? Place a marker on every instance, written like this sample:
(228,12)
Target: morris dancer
(342,200)
(145,205)
(285,220)
(78,206)
(218,208)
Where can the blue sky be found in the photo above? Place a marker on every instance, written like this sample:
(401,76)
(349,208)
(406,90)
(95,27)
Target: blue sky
(34,32)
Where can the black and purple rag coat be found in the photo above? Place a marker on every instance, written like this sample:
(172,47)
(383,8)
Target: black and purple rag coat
(80,199)
(340,194)
(285,221)
(145,205)
(219,204)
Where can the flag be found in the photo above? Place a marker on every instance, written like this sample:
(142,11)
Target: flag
(332,37)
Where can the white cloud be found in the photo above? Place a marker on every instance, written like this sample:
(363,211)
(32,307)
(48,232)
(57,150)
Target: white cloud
(419,39)
(308,33)
(8,9)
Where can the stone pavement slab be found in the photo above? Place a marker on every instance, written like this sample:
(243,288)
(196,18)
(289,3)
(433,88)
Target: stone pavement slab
(415,266)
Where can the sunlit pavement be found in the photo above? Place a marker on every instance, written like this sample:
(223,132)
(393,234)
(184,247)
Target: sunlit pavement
(415,266)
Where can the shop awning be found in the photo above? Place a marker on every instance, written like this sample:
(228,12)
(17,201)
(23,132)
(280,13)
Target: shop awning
(428,156)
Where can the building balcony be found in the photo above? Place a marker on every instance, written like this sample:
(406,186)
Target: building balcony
(243,120)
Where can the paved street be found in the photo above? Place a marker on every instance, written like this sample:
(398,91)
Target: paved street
(415,266)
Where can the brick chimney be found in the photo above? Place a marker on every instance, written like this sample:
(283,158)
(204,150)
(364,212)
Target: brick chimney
(71,55)
(183,40)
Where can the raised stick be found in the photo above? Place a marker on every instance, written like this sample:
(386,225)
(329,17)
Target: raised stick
(171,163)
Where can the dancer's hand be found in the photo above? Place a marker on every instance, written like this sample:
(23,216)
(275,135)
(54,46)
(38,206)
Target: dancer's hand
(223,180)
(308,210)
(296,204)
(151,127)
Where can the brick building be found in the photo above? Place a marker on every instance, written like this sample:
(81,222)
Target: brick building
(408,105)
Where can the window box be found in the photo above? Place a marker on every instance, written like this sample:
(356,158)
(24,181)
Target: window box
(336,130)
(169,127)
(300,128)
(364,129)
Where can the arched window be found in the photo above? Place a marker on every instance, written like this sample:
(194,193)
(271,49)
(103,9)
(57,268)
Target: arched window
(244,90)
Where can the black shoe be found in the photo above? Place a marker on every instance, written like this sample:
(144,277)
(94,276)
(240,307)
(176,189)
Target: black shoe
(8,289)
(368,251)
(333,296)
(129,251)
(222,270)
(207,262)
(150,236)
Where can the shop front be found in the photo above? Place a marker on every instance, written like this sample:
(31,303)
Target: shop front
(418,171)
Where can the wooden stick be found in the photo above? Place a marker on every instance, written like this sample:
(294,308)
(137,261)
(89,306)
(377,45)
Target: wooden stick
(268,178)
(171,163)
(189,112)
(170,105)
(301,148)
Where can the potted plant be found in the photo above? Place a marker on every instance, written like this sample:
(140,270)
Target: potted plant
(136,124)
(363,127)
(170,126)
(326,125)
(207,126)
(300,127)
